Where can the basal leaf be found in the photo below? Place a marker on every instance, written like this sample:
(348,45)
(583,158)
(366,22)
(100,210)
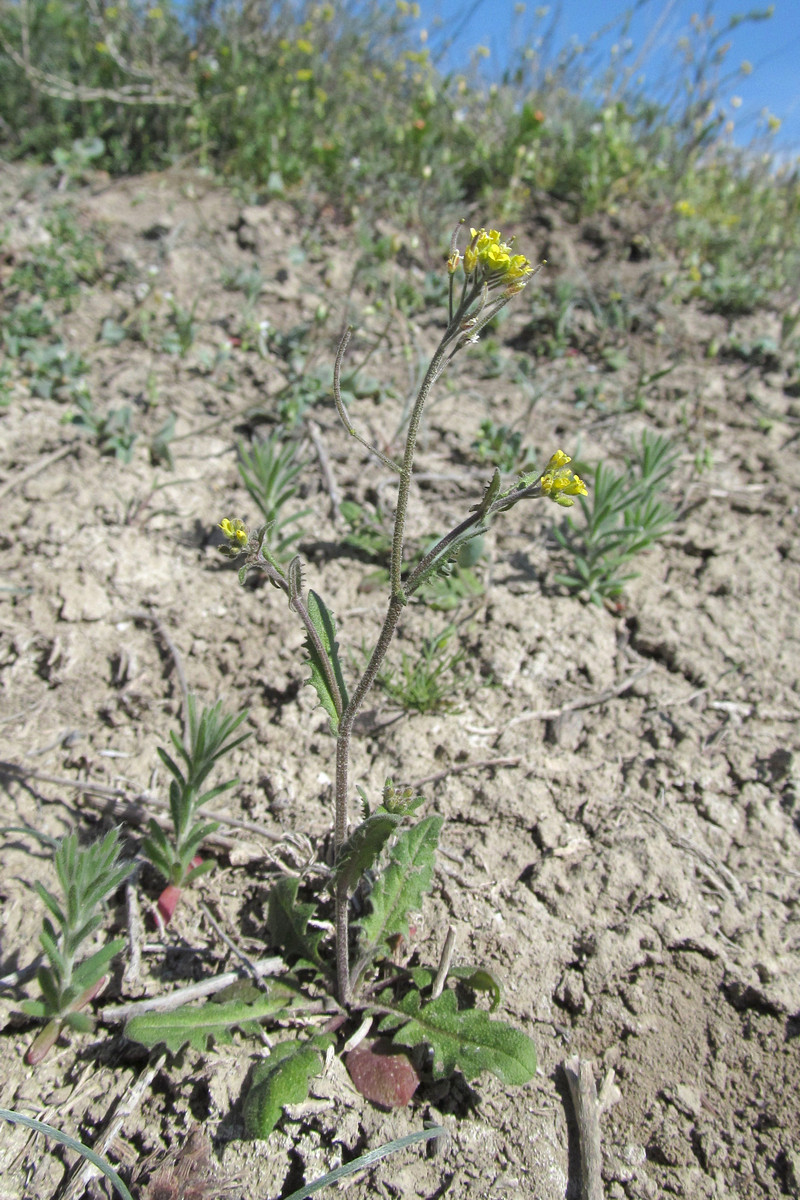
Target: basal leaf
(323,671)
(198,1025)
(465,1039)
(281,1079)
(287,921)
(480,979)
(400,888)
(364,845)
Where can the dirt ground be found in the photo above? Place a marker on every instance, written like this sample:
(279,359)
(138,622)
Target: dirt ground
(629,868)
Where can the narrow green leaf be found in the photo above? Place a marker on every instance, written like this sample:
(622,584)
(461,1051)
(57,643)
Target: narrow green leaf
(281,1079)
(325,626)
(199,1025)
(92,968)
(466,1039)
(399,890)
(65,1140)
(51,902)
(34,1008)
(287,921)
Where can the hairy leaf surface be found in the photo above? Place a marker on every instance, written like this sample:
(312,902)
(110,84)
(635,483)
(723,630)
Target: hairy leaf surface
(287,921)
(281,1079)
(463,1039)
(198,1025)
(362,848)
(325,626)
(399,890)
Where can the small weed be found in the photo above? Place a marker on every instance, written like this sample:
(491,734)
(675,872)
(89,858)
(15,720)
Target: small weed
(502,446)
(368,530)
(160,450)
(269,470)
(181,333)
(88,876)
(57,269)
(210,736)
(428,682)
(623,518)
(112,433)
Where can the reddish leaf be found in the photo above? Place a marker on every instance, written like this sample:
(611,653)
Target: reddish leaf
(168,900)
(382,1074)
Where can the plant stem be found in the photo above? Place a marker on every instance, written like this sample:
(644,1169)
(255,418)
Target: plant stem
(397,601)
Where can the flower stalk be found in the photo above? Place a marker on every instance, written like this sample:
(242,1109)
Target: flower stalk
(482,281)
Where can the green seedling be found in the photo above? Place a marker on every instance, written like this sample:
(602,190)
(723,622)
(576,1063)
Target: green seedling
(181,335)
(269,470)
(426,682)
(384,862)
(624,516)
(452,585)
(502,446)
(88,875)
(112,433)
(160,449)
(210,736)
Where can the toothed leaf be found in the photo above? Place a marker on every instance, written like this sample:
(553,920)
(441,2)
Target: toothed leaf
(287,921)
(198,1025)
(466,1040)
(281,1079)
(323,671)
(363,846)
(400,888)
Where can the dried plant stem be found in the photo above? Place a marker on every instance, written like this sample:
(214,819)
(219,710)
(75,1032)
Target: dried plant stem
(580,1079)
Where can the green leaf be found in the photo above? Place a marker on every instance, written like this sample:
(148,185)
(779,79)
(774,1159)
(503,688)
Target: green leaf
(91,970)
(465,1039)
(79,1021)
(400,888)
(321,671)
(34,1008)
(198,1025)
(363,846)
(281,1079)
(287,921)
(480,979)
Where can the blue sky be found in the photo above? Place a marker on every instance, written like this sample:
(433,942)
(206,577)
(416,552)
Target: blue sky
(771,46)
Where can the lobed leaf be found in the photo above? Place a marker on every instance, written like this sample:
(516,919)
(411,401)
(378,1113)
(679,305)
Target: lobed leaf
(287,921)
(464,1039)
(198,1025)
(400,888)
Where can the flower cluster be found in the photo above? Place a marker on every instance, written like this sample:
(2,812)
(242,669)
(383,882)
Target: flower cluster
(237,534)
(493,260)
(559,482)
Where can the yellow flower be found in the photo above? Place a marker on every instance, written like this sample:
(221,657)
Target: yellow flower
(773,123)
(304,46)
(235,531)
(495,259)
(303,74)
(685,208)
(560,483)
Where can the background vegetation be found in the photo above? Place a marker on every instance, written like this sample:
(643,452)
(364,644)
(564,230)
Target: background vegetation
(347,103)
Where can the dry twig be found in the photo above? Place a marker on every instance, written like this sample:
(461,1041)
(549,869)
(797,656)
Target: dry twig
(588,1109)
